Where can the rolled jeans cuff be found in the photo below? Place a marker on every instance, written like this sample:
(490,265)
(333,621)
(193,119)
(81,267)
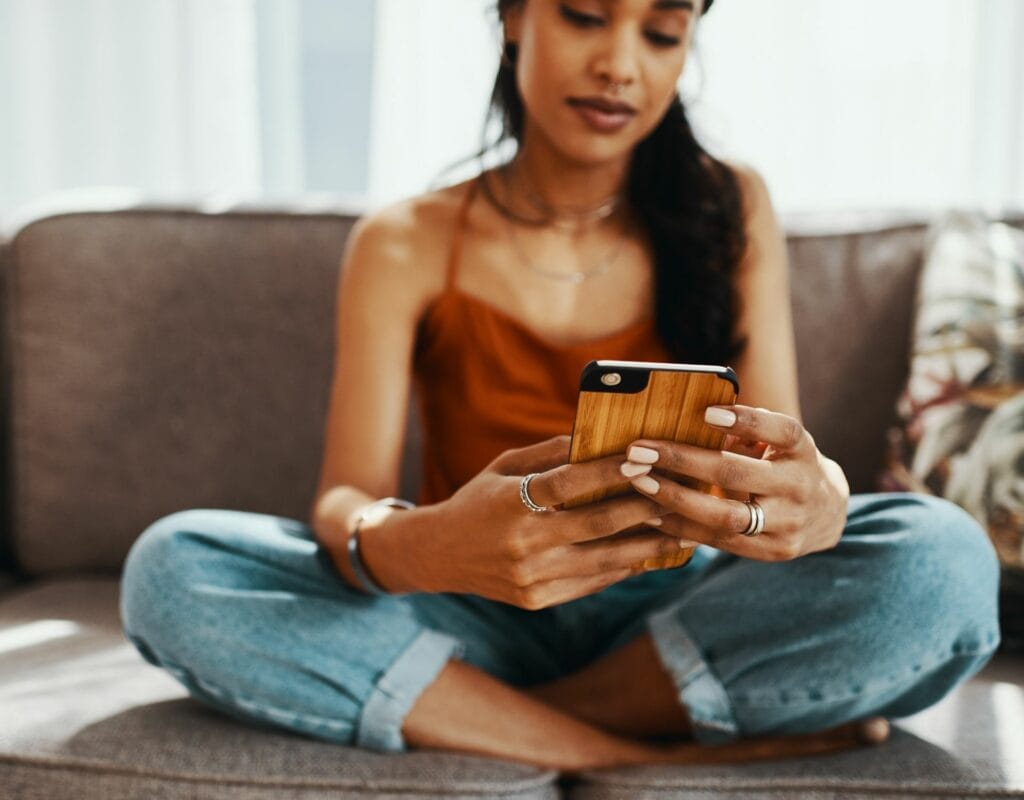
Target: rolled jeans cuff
(380,721)
(699,689)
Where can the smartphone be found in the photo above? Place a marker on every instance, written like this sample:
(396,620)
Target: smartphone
(620,401)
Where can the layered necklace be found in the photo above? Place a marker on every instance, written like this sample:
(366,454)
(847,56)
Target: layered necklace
(567,219)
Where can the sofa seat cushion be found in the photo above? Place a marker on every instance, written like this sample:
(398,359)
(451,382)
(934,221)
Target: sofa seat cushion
(970,745)
(85,716)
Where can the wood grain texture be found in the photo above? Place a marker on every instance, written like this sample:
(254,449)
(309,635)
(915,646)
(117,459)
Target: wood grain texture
(671,406)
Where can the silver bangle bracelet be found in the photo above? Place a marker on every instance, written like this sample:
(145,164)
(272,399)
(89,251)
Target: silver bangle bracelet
(366,583)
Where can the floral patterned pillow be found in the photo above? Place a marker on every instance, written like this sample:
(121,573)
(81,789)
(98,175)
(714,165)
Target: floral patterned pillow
(962,411)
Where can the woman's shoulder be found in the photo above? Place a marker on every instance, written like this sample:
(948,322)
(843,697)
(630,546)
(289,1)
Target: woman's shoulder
(403,245)
(417,221)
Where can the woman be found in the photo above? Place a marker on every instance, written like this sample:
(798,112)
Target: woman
(487,618)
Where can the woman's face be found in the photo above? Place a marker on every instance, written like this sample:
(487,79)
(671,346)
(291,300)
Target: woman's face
(569,51)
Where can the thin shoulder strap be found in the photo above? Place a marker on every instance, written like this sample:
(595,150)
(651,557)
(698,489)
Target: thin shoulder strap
(460,228)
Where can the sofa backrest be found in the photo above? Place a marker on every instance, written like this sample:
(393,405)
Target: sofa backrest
(163,360)
(854,283)
(170,359)
(853,300)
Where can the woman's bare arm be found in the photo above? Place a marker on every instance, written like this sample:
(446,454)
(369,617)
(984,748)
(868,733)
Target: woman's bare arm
(531,560)
(379,301)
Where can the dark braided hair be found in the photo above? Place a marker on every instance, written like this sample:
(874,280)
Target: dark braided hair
(691,206)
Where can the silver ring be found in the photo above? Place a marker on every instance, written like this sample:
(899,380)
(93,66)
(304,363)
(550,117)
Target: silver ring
(524,493)
(756,518)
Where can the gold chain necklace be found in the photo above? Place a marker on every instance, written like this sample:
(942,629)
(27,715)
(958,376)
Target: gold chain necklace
(579,275)
(557,219)
(568,217)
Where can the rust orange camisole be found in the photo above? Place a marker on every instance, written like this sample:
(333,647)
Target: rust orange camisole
(486,382)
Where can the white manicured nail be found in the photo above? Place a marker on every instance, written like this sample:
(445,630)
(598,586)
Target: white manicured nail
(654,521)
(642,455)
(685,543)
(647,484)
(631,470)
(720,416)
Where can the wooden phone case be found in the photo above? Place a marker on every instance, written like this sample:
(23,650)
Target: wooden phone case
(653,400)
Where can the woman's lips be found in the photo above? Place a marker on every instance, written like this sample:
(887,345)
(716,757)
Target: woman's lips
(600,118)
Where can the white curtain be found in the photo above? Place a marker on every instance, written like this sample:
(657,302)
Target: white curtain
(879,103)
(160,94)
(433,68)
(874,104)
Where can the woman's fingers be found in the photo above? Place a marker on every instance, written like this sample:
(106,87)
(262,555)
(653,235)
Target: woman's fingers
(561,590)
(566,482)
(721,468)
(719,514)
(587,568)
(761,547)
(565,573)
(781,431)
(533,458)
(744,447)
(598,557)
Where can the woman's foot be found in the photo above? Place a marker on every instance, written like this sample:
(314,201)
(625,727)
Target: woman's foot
(863,733)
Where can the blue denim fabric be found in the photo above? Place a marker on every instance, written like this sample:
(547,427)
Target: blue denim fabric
(247,612)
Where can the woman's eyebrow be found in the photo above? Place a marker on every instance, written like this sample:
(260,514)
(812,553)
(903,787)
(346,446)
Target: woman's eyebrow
(660,5)
(664,5)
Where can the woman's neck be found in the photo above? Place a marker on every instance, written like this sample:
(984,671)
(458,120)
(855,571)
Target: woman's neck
(566,185)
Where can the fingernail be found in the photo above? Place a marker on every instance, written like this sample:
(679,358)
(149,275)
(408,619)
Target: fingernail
(684,543)
(642,455)
(653,521)
(631,470)
(645,483)
(720,416)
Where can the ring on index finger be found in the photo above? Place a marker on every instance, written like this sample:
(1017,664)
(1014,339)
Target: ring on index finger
(756,518)
(524,493)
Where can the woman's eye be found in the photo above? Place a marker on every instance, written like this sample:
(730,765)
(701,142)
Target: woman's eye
(589,21)
(661,40)
(577,18)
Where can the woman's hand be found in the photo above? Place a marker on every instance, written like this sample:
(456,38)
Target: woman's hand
(483,540)
(769,455)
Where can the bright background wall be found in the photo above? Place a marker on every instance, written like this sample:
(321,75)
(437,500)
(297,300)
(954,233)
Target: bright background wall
(874,104)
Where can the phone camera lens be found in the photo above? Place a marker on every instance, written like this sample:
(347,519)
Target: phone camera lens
(611,379)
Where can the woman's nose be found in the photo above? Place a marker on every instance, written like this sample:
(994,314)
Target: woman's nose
(617,59)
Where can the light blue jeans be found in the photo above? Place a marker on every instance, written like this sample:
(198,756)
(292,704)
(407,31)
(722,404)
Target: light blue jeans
(248,613)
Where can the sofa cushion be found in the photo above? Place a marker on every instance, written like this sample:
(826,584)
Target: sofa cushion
(852,289)
(962,412)
(162,361)
(165,360)
(209,338)
(85,716)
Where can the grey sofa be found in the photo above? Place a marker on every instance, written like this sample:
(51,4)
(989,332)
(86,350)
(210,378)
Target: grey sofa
(168,358)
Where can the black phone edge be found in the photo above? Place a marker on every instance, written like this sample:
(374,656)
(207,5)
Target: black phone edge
(725,373)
